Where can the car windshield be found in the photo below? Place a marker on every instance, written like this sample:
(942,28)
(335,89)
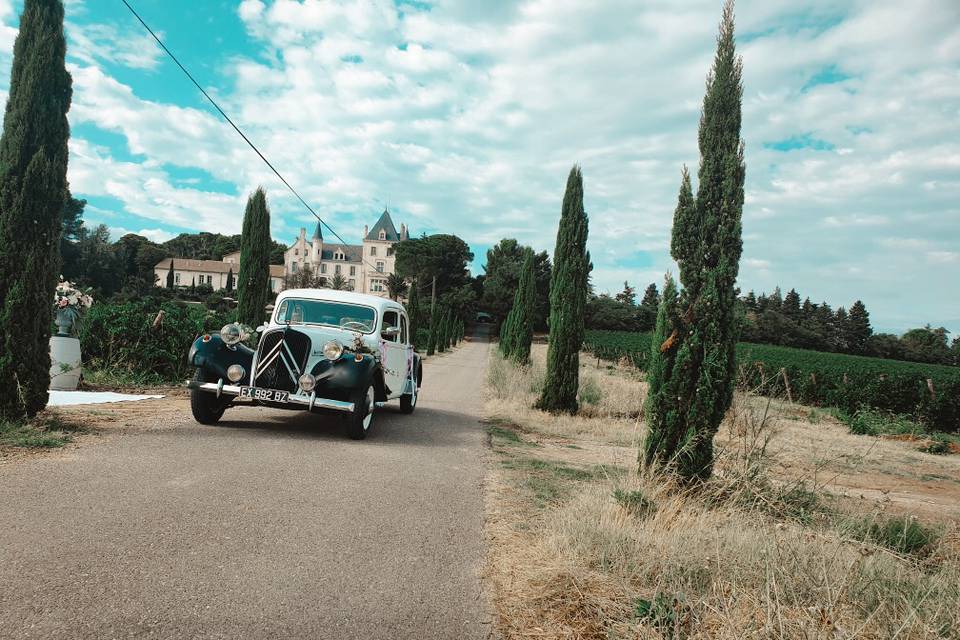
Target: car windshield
(332,314)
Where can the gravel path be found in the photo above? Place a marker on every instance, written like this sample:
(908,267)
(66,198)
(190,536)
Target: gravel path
(272,525)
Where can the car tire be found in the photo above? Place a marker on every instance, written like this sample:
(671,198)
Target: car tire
(206,407)
(360,419)
(408,401)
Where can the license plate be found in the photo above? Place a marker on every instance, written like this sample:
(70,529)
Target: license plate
(257,393)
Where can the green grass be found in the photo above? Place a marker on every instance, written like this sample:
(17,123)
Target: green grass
(551,482)
(118,377)
(902,534)
(634,502)
(503,432)
(47,432)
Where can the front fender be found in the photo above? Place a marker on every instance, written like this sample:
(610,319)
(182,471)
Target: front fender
(213,356)
(346,374)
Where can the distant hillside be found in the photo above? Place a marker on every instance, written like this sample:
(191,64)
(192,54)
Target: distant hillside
(212,246)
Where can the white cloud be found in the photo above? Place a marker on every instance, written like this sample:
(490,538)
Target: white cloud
(466,118)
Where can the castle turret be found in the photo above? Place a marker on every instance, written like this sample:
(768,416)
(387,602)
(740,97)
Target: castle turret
(317,242)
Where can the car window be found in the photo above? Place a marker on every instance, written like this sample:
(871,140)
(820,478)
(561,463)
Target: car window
(403,329)
(391,319)
(334,314)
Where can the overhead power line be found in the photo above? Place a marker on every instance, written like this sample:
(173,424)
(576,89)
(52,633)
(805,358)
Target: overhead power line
(237,129)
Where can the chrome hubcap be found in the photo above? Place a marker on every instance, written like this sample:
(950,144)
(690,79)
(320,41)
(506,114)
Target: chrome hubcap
(367,419)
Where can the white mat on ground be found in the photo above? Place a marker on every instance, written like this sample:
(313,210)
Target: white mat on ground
(65,398)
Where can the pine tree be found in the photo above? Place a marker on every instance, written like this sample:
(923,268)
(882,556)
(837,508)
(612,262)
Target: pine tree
(170,276)
(253,286)
(695,360)
(33,191)
(568,298)
(434,330)
(750,302)
(524,308)
(791,305)
(230,280)
(413,311)
(628,295)
(858,328)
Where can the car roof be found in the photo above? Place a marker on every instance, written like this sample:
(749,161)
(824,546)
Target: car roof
(333,295)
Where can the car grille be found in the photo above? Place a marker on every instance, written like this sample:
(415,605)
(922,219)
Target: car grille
(281,359)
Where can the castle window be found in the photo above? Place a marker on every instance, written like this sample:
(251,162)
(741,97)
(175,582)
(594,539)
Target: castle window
(383,234)
(293,267)
(353,271)
(389,251)
(323,267)
(336,268)
(380,266)
(296,252)
(176,278)
(373,251)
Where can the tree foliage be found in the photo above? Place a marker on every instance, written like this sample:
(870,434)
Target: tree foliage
(502,275)
(33,191)
(695,362)
(520,320)
(568,297)
(253,283)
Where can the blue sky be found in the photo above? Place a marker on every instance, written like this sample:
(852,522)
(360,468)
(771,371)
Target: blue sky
(465,117)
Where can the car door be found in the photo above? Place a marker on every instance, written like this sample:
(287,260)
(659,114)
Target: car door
(394,349)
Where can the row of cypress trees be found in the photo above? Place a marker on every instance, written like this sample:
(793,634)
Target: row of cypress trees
(446,329)
(692,368)
(516,335)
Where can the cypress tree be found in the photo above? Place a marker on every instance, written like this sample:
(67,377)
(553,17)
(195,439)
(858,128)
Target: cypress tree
(695,359)
(193,285)
(170,276)
(432,341)
(33,190)
(506,336)
(568,297)
(230,280)
(253,285)
(442,332)
(413,311)
(524,307)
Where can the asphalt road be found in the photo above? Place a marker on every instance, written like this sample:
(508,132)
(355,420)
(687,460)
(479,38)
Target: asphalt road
(272,525)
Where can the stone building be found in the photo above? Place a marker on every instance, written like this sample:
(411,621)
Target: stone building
(364,266)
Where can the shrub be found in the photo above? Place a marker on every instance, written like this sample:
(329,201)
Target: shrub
(902,534)
(121,337)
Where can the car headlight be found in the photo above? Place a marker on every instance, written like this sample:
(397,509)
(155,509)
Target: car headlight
(231,334)
(307,382)
(332,350)
(235,373)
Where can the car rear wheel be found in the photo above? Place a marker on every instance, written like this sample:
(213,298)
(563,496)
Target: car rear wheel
(360,419)
(408,401)
(206,407)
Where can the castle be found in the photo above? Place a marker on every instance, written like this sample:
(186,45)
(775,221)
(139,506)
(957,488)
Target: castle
(364,267)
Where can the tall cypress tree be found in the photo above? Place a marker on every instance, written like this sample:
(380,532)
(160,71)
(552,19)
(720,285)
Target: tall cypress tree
(230,280)
(442,331)
(33,190)
(434,333)
(524,308)
(413,311)
(506,336)
(568,298)
(695,359)
(170,276)
(253,284)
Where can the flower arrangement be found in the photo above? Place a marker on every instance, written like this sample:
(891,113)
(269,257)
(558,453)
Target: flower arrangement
(69,303)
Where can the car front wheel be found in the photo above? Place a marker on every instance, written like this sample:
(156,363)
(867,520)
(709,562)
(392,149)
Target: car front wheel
(408,401)
(360,419)
(206,407)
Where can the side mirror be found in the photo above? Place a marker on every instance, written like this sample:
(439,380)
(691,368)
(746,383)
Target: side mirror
(390,332)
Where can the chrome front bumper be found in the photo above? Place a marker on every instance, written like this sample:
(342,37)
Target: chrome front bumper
(309,403)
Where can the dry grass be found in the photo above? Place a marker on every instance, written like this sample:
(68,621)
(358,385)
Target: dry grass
(756,554)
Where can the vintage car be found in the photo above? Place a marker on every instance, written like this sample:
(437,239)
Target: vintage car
(321,351)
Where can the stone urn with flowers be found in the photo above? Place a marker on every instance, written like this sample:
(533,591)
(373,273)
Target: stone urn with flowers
(69,305)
